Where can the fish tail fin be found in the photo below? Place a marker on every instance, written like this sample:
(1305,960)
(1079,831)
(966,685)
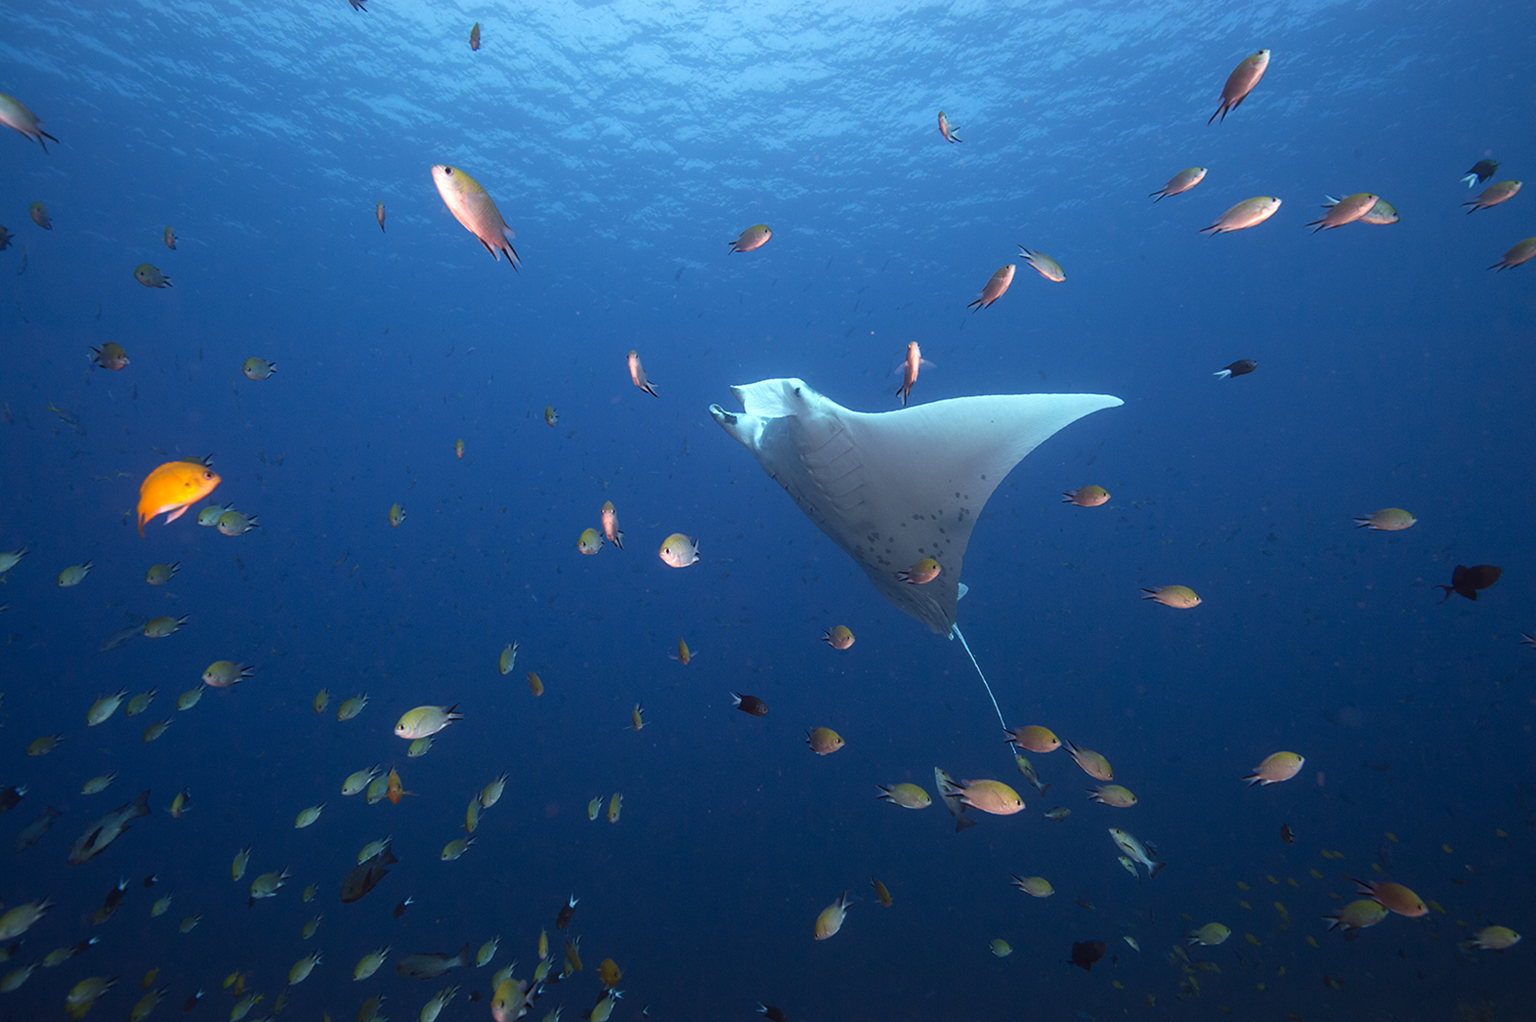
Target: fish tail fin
(618,538)
(963,822)
(1470,179)
(1155,869)
(1222,374)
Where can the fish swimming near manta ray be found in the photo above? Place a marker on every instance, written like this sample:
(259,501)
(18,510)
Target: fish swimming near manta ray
(892,488)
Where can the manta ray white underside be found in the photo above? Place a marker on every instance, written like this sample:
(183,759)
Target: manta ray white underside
(892,488)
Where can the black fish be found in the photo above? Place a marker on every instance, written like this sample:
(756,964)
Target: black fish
(150,880)
(750,704)
(5,240)
(566,912)
(774,1014)
(10,798)
(192,1001)
(1481,171)
(1086,952)
(109,904)
(365,876)
(1287,835)
(1242,367)
(1467,581)
(400,908)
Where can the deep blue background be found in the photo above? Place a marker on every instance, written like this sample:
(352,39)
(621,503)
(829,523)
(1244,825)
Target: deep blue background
(627,143)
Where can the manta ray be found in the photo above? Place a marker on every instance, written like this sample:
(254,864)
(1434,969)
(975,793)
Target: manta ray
(892,488)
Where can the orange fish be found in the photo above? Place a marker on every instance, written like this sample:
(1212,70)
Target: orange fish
(174,487)
(609,973)
(395,788)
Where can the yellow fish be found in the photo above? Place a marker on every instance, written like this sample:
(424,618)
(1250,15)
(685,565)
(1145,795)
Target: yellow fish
(831,918)
(921,573)
(838,638)
(15,115)
(149,276)
(473,207)
(753,237)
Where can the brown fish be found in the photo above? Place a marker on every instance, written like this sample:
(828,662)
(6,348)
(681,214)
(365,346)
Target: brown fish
(1241,82)
(107,830)
(566,912)
(1467,581)
(433,965)
(365,876)
(110,903)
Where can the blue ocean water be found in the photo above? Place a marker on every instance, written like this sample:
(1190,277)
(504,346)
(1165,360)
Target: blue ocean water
(627,143)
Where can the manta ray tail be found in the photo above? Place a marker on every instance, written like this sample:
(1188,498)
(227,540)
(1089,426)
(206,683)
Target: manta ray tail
(955,629)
